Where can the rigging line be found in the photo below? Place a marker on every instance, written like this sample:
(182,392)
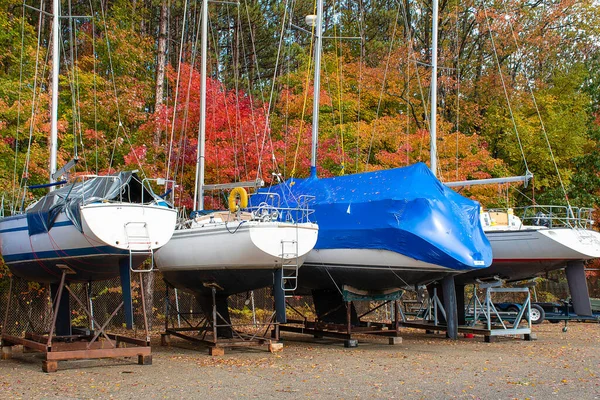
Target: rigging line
(415,61)
(14,180)
(537,110)
(266,136)
(273,81)
(387,64)
(175,101)
(226,93)
(305,101)
(360,78)
(25,174)
(504,84)
(114,86)
(235,50)
(338,45)
(287,92)
(72,83)
(332,280)
(181,148)
(457,87)
(259,78)
(398,276)
(95,87)
(180,159)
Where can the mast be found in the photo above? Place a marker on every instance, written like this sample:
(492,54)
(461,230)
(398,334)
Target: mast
(54,102)
(318,24)
(433,113)
(199,188)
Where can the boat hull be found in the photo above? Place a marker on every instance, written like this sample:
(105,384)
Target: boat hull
(86,256)
(365,269)
(526,253)
(235,257)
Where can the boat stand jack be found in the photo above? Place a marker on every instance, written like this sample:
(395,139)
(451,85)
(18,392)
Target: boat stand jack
(206,329)
(352,326)
(486,319)
(92,344)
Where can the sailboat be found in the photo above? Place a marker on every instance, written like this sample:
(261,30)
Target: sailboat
(239,249)
(536,239)
(92,229)
(540,240)
(382,230)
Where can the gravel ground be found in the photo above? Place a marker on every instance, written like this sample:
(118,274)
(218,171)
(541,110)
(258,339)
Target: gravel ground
(557,365)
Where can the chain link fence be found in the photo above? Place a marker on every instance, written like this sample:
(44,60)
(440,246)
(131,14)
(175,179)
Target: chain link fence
(30,306)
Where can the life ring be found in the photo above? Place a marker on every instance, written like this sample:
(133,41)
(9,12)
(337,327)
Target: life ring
(240,192)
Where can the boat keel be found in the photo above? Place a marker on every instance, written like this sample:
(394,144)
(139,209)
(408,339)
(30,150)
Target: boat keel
(578,287)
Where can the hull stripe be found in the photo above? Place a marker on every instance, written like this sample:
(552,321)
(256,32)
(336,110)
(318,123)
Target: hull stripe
(24,228)
(83,252)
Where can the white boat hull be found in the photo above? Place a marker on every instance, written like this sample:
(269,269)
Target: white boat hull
(93,254)
(366,269)
(530,251)
(236,257)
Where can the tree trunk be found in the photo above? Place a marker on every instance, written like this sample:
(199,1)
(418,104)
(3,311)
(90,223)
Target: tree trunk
(160,66)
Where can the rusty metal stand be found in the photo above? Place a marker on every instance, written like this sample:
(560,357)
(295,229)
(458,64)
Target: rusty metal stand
(92,345)
(206,328)
(348,330)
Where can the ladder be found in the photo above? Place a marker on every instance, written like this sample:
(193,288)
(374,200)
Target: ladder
(289,264)
(138,242)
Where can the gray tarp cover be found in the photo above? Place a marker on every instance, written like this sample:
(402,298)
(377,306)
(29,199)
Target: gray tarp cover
(124,186)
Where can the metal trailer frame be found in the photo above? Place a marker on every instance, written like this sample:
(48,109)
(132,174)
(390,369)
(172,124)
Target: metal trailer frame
(93,345)
(206,329)
(347,331)
(493,323)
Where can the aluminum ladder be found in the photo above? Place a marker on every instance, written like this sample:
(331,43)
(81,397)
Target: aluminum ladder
(138,242)
(289,264)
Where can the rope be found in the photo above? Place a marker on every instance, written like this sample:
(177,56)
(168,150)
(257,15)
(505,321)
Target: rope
(338,47)
(504,84)
(175,102)
(14,180)
(537,110)
(306,84)
(25,175)
(114,85)
(387,63)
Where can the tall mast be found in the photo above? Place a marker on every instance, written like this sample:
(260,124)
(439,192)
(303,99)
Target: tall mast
(54,103)
(318,24)
(199,188)
(433,114)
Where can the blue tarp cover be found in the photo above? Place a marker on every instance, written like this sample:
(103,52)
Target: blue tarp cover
(405,210)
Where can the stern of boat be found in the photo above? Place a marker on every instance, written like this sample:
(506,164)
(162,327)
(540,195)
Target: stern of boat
(129,226)
(285,240)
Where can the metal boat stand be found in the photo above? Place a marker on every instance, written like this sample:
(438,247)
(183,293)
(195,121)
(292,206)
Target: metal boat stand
(485,319)
(205,330)
(88,345)
(347,331)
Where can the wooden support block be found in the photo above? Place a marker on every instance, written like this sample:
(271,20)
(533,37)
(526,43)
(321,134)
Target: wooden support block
(530,337)
(395,340)
(6,352)
(49,366)
(165,339)
(275,347)
(349,343)
(144,360)
(318,336)
(216,351)
(489,339)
